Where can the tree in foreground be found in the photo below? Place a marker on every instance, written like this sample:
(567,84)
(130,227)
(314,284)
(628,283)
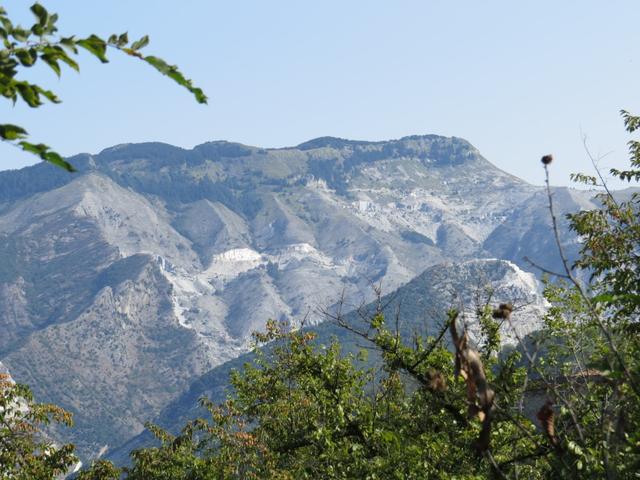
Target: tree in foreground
(25,453)
(563,404)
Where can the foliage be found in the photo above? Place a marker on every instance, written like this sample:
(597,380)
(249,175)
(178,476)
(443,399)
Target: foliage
(25,453)
(100,470)
(593,374)
(303,410)
(40,44)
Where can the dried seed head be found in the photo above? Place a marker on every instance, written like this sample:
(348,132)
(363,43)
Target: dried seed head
(506,306)
(437,382)
(547,159)
(503,311)
(546,416)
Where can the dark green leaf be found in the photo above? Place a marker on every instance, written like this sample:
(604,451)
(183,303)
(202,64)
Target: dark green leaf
(38,30)
(631,122)
(46,154)
(143,42)
(172,72)
(41,13)
(51,24)
(48,94)
(94,45)
(29,94)
(6,23)
(52,61)
(20,34)
(62,55)
(12,132)
(69,43)
(27,57)
(123,39)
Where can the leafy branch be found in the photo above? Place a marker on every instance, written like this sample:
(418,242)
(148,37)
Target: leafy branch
(24,48)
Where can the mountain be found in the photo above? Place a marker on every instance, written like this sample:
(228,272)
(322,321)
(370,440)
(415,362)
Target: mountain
(151,266)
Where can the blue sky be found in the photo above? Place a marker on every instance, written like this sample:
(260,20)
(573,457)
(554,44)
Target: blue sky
(516,79)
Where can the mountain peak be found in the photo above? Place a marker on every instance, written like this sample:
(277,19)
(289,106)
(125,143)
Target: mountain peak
(330,142)
(338,142)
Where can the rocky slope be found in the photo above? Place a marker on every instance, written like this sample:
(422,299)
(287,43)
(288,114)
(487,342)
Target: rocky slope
(123,283)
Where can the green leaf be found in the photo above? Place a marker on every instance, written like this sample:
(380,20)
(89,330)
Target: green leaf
(94,45)
(56,159)
(172,72)
(12,132)
(9,91)
(34,148)
(631,122)
(48,94)
(123,39)
(51,24)
(20,34)
(46,154)
(52,61)
(608,298)
(41,13)
(27,57)
(584,179)
(377,321)
(69,61)
(29,94)
(6,23)
(138,44)
(69,43)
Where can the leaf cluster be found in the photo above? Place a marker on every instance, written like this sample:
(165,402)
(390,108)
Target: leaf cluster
(25,452)
(40,44)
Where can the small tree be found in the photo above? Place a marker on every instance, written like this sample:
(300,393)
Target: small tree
(25,453)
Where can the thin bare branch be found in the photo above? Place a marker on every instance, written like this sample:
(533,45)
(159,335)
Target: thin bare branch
(544,270)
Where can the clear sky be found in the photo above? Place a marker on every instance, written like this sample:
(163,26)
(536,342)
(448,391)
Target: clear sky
(517,79)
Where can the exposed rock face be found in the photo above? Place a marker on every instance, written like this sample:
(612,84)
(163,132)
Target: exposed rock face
(527,231)
(121,284)
(122,355)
